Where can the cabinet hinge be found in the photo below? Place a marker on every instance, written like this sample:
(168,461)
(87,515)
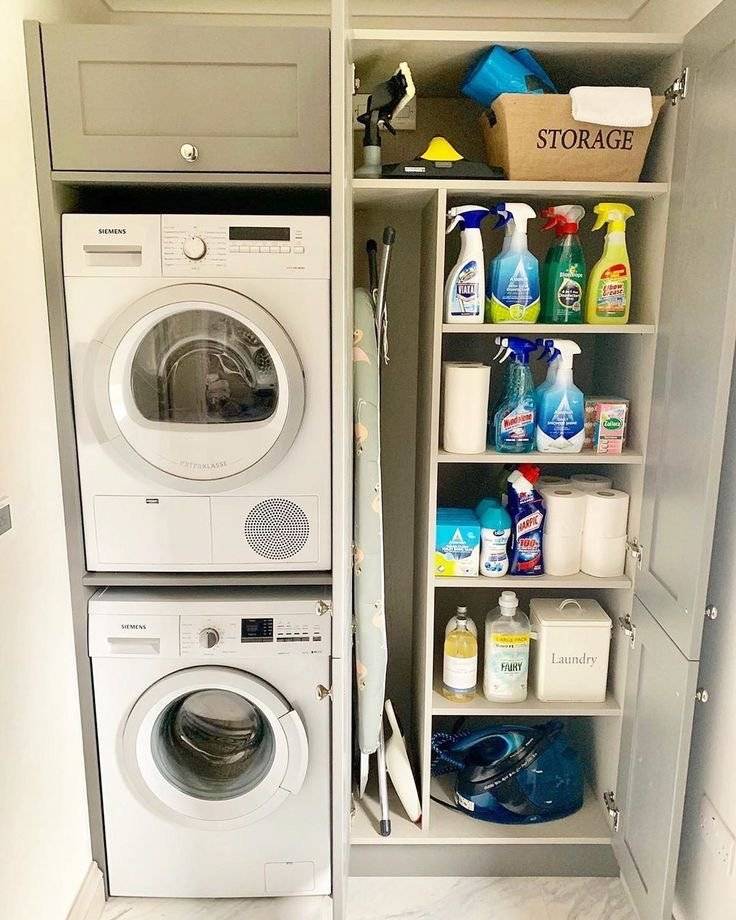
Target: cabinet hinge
(323,608)
(628,628)
(637,551)
(678,89)
(356,79)
(609,799)
(323,692)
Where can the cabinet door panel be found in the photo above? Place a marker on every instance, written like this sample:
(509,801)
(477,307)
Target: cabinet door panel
(129,97)
(697,329)
(655,743)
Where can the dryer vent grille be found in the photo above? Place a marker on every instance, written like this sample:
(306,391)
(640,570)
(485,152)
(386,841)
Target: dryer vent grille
(276,528)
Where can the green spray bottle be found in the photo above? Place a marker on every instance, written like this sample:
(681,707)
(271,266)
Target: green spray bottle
(564,272)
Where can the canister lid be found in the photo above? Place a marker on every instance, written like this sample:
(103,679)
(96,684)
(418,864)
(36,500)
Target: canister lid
(571,611)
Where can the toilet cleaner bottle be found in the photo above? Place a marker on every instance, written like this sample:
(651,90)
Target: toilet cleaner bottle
(563,272)
(514,297)
(506,656)
(465,289)
(609,288)
(527,511)
(561,407)
(513,422)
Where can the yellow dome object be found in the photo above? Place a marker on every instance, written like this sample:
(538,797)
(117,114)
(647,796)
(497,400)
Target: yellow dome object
(441,150)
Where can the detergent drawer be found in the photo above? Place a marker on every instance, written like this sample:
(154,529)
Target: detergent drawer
(142,98)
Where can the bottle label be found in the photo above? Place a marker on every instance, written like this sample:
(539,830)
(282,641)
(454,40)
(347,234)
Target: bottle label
(466,301)
(613,292)
(569,295)
(509,663)
(460,673)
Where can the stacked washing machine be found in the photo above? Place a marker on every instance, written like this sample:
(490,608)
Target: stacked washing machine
(200,354)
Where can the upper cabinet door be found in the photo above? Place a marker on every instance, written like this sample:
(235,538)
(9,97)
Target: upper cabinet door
(182,98)
(655,743)
(695,342)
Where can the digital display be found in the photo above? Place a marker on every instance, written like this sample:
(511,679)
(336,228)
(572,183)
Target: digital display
(256,630)
(260,233)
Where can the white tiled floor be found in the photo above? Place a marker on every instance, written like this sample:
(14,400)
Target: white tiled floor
(412,899)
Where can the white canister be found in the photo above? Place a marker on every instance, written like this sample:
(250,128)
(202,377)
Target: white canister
(570,655)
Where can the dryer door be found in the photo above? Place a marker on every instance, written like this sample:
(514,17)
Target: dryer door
(201,385)
(214,747)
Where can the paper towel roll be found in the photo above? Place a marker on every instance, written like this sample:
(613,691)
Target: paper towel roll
(562,555)
(565,511)
(603,557)
(589,482)
(465,402)
(606,513)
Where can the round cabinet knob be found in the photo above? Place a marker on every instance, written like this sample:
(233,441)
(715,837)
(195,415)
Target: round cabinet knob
(209,637)
(188,152)
(194,248)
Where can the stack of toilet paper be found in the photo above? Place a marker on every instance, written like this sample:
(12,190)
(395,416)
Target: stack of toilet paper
(585,525)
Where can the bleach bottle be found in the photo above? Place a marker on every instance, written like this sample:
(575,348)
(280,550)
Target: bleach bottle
(514,420)
(526,508)
(465,289)
(561,406)
(514,296)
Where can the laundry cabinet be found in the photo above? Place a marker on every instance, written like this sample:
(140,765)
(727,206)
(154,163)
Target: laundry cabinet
(673,361)
(157,98)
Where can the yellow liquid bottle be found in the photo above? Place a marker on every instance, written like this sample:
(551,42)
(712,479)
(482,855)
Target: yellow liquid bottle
(460,661)
(609,286)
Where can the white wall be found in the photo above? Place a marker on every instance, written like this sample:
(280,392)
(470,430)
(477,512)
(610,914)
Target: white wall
(43,808)
(705,890)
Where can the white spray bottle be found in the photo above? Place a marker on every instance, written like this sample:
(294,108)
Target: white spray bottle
(561,407)
(465,290)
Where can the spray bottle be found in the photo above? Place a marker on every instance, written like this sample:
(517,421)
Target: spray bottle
(504,220)
(526,507)
(552,357)
(513,422)
(561,407)
(563,272)
(465,290)
(515,292)
(609,288)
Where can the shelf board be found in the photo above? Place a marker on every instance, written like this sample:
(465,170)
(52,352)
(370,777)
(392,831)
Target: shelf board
(194,579)
(546,329)
(409,192)
(581,580)
(448,827)
(629,456)
(277,180)
(480,706)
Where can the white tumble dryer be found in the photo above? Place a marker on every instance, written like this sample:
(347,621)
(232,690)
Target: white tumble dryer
(213,731)
(200,356)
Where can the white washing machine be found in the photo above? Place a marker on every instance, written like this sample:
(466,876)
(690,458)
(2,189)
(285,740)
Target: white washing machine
(200,355)
(213,740)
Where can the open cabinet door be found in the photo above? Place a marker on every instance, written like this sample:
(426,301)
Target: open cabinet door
(695,341)
(655,743)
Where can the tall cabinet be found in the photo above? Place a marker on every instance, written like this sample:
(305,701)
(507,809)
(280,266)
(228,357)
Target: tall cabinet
(672,361)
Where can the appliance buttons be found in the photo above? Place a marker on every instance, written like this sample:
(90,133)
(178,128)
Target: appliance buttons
(284,248)
(264,249)
(273,248)
(209,637)
(299,249)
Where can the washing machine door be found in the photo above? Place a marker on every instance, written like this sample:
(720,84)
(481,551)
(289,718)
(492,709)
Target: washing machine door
(201,385)
(214,747)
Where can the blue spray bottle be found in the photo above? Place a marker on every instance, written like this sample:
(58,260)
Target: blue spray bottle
(504,221)
(514,420)
(465,290)
(514,296)
(561,408)
(552,357)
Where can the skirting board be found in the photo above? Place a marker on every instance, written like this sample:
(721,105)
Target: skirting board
(90,900)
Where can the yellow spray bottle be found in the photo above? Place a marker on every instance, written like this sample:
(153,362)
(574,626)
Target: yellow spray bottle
(609,286)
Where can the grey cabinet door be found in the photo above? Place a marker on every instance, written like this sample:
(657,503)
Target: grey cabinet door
(129,97)
(695,346)
(655,743)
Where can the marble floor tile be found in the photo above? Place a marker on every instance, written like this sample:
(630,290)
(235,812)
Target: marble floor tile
(217,909)
(586,899)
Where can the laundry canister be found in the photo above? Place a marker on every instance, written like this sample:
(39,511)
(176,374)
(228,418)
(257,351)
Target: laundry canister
(570,655)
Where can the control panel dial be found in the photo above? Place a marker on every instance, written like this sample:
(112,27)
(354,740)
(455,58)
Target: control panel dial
(209,637)
(195,248)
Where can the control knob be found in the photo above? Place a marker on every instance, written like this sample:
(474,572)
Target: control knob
(194,248)
(209,637)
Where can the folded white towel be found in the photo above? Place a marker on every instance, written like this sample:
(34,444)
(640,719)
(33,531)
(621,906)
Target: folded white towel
(619,106)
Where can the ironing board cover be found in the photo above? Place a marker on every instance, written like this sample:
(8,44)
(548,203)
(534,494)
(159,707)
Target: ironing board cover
(371,652)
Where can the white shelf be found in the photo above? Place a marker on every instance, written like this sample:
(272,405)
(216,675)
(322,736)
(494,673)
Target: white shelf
(629,456)
(532,329)
(531,706)
(581,580)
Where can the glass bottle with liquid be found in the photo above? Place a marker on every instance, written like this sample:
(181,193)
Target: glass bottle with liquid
(460,662)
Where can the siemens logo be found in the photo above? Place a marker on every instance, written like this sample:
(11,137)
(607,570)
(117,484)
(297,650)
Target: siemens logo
(133,626)
(111,230)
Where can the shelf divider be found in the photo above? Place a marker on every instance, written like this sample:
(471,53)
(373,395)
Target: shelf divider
(629,457)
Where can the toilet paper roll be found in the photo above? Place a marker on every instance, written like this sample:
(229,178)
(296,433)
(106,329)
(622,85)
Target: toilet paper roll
(565,511)
(603,557)
(465,418)
(606,513)
(562,555)
(589,482)
(544,483)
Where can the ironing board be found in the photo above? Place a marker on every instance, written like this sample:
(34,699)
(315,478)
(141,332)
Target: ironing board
(371,652)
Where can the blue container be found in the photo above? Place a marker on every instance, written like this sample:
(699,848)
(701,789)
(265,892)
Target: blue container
(525,57)
(499,71)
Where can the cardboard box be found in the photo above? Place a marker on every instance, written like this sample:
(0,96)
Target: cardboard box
(535,137)
(606,419)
